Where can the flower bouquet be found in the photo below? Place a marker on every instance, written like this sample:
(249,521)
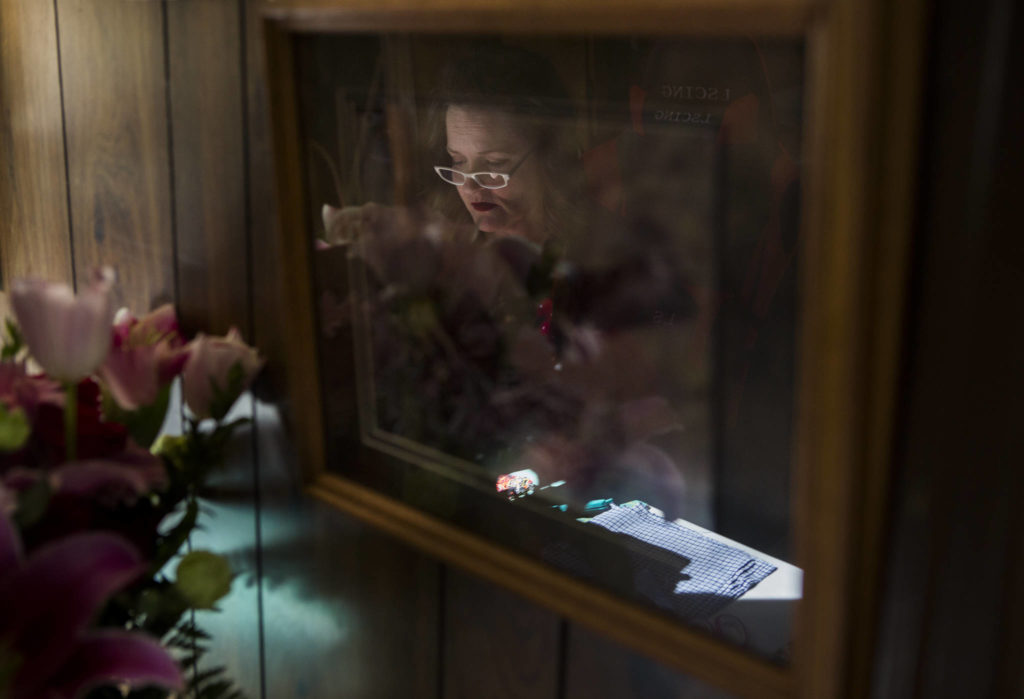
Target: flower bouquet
(96,504)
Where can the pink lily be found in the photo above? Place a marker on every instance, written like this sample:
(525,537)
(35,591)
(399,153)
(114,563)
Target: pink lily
(123,477)
(146,354)
(46,646)
(217,371)
(132,473)
(68,335)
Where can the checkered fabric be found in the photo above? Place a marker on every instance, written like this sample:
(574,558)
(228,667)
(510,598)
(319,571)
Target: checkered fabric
(716,573)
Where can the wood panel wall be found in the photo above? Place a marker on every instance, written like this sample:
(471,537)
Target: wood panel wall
(135,134)
(34,228)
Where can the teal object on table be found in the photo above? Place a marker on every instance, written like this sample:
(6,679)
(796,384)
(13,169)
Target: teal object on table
(596,506)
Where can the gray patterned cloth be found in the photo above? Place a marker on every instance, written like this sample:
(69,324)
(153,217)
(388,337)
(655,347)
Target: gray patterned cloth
(715,574)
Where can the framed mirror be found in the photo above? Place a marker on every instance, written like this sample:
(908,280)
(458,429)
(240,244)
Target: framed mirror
(558,308)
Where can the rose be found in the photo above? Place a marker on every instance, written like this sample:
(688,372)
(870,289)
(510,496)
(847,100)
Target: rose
(217,371)
(68,335)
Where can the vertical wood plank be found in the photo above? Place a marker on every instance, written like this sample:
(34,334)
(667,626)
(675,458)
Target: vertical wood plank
(496,644)
(268,292)
(206,90)
(34,238)
(348,611)
(116,122)
(204,59)
(597,667)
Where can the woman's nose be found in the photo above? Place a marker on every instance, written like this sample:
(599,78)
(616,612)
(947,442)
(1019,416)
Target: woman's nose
(471,185)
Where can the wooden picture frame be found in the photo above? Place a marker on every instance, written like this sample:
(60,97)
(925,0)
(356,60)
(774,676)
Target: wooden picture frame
(856,218)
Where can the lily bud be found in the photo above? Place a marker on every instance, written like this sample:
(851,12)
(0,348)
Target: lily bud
(68,334)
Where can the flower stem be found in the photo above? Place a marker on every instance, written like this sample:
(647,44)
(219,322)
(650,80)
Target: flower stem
(71,419)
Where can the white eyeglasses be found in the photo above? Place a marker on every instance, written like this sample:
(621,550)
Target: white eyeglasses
(487,180)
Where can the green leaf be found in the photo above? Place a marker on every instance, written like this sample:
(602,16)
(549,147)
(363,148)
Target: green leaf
(171,447)
(206,683)
(223,398)
(204,578)
(14,428)
(13,342)
(32,503)
(143,424)
(171,543)
(208,674)
(161,607)
(230,427)
(9,664)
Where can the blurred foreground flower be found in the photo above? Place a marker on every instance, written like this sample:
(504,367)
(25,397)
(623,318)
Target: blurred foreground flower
(146,354)
(47,648)
(68,335)
(90,515)
(19,390)
(217,371)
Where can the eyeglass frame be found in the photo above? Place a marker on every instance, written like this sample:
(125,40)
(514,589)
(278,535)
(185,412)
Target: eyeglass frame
(473,175)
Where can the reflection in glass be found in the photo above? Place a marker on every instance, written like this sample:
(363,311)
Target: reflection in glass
(572,268)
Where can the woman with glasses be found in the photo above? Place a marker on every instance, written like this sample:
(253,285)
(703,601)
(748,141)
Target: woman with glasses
(506,147)
(503,145)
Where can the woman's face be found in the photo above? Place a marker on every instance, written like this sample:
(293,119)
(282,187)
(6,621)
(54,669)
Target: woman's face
(486,140)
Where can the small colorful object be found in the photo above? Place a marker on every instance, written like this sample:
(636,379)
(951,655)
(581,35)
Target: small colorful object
(517,484)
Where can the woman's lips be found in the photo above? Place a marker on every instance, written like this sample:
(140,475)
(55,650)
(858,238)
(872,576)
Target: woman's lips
(483,206)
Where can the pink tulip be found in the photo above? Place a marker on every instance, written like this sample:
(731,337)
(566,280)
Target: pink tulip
(68,335)
(146,354)
(217,371)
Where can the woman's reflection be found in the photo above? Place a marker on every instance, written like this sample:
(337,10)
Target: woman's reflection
(509,133)
(483,138)
(514,324)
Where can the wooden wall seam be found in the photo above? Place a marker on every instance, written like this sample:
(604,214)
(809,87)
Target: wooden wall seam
(64,149)
(243,62)
(205,88)
(170,160)
(34,209)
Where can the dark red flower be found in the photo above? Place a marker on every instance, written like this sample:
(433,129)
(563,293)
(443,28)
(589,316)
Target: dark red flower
(97,438)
